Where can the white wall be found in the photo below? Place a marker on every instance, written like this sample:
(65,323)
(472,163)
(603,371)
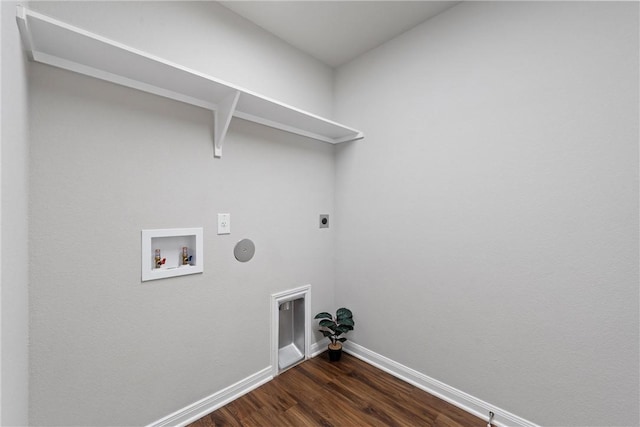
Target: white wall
(13,223)
(487,229)
(496,194)
(107,162)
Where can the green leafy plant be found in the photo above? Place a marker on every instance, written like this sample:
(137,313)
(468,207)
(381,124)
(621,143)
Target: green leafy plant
(334,326)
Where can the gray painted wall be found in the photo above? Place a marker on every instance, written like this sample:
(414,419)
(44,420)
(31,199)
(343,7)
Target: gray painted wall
(493,203)
(107,162)
(14,270)
(487,231)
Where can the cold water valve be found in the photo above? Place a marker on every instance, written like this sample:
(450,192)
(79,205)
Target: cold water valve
(186,258)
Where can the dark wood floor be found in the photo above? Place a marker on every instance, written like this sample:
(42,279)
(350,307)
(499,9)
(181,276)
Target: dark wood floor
(345,393)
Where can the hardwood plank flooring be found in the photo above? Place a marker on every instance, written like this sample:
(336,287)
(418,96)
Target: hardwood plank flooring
(350,392)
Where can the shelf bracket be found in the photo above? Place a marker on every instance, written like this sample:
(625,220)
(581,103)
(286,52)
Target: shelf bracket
(221,119)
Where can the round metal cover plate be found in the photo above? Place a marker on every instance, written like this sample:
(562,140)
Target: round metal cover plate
(244,250)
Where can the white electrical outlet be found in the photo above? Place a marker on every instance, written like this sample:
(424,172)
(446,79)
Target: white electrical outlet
(224,223)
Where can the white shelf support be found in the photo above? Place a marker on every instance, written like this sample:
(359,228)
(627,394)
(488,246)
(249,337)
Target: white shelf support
(221,120)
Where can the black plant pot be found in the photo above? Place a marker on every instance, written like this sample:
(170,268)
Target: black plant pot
(335,353)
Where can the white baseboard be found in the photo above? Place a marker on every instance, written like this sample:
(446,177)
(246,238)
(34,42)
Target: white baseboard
(316,348)
(458,398)
(205,406)
(217,400)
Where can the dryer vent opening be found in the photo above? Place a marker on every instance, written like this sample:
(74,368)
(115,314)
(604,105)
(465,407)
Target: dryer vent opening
(291,333)
(290,328)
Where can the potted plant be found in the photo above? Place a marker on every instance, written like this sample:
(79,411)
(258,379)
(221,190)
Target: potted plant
(332,327)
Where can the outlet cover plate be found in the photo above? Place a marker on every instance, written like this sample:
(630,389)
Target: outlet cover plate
(224,223)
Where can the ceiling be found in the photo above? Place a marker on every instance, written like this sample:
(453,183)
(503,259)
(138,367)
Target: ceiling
(337,31)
